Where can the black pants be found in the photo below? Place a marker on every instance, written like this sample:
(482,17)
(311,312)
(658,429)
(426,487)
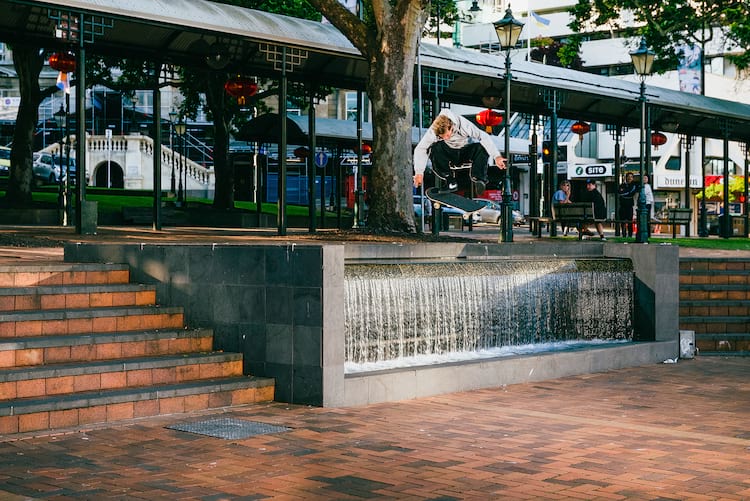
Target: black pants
(444,160)
(626,214)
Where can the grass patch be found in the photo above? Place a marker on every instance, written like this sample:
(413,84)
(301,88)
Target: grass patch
(115,200)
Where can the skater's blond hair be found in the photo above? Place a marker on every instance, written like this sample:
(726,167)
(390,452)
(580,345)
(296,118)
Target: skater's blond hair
(441,125)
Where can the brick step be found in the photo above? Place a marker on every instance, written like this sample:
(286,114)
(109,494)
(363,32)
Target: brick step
(72,378)
(714,307)
(28,351)
(688,264)
(724,343)
(718,277)
(698,292)
(715,325)
(52,322)
(63,411)
(76,296)
(63,274)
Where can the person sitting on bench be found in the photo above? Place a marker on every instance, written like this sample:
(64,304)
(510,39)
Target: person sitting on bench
(450,142)
(600,208)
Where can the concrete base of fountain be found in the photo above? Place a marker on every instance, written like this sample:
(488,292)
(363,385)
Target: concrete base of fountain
(282,306)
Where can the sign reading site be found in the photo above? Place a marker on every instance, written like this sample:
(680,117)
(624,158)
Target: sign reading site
(589,170)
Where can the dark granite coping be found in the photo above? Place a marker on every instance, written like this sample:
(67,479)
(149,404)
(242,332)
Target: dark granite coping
(24,316)
(32,342)
(714,287)
(714,319)
(62,267)
(97,398)
(74,289)
(114,365)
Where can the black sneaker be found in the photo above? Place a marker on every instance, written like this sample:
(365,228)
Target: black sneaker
(479,186)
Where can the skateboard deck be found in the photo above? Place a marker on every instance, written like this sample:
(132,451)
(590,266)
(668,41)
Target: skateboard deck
(453,200)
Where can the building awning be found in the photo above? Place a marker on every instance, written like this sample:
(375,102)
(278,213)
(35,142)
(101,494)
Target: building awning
(184,32)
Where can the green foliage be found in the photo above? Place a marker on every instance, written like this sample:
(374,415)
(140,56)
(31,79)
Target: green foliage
(556,53)
(445,9)
(668,24)
(715,192)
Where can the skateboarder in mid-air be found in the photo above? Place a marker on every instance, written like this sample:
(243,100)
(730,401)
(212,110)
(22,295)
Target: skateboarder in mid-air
(450,142)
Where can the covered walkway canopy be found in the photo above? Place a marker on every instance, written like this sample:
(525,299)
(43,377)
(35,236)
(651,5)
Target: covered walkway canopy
(187,32)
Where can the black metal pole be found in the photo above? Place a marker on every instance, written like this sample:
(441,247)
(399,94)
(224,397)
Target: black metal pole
(281,204)
(617,133)
(686,140)
(80,132)
(726,226)
(173,184)
(180,160)
(641,236)
(157,156)
(311,169)
(506,235)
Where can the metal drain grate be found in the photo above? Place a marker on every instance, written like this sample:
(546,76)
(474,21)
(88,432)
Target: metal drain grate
(229,428)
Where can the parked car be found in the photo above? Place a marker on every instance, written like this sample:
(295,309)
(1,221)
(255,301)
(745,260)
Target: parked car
(493,212)
(44,168)
(4,161)
(47,168)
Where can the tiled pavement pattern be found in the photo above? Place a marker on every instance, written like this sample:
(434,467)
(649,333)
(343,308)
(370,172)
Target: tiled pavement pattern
(664,431)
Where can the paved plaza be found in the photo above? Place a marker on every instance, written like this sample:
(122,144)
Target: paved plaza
(664,431)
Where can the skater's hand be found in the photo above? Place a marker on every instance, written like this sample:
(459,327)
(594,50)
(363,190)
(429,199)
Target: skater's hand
(418,180)
(500,162)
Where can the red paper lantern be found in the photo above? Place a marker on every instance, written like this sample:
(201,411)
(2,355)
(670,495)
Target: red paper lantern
(63,61)
(366,149)
(241,88)
(580,128)
(489,119)
(301,152)
(658,139)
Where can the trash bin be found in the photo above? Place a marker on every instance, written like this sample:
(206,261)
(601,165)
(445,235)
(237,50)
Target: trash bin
(687,344)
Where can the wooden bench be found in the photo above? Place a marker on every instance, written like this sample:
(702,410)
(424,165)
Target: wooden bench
(574,214)
(678,217)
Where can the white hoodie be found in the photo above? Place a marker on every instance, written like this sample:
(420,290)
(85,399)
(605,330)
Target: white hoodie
(463,132)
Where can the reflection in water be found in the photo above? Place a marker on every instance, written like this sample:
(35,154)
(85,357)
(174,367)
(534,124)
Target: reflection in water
(406,310)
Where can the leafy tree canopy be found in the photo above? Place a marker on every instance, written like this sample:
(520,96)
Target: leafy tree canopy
(668,24)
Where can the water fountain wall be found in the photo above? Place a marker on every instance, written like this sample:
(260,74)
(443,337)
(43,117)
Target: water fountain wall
(283,306)
(439,308)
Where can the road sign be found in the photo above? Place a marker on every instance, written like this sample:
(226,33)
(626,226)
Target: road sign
(321,159)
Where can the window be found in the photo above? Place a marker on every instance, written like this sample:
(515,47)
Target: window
(351,106)
(673,163)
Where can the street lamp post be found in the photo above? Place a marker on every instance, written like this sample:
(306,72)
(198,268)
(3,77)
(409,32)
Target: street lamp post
(643,59)
(172,121)
(179,129)
(508,30)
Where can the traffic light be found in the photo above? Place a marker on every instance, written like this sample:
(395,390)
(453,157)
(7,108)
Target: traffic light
(546,152)
(562,152)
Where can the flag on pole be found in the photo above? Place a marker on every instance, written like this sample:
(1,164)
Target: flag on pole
(542,22)
(63,83)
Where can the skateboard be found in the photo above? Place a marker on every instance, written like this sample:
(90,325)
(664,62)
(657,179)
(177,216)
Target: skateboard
(454,200)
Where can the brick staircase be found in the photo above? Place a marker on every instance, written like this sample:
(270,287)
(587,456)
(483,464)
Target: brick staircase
(80,345)
(715,303)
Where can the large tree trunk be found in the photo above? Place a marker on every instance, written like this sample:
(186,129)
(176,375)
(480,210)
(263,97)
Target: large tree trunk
(223,171)
(388,39)
(390,182)
(28,64)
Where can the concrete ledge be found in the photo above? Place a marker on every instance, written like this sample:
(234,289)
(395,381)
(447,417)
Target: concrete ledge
(425,381)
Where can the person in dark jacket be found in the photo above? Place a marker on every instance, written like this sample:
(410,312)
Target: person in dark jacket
(627,191)
(600,207)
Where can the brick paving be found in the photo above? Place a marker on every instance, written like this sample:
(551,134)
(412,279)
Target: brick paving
(665,431)
(660,432)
